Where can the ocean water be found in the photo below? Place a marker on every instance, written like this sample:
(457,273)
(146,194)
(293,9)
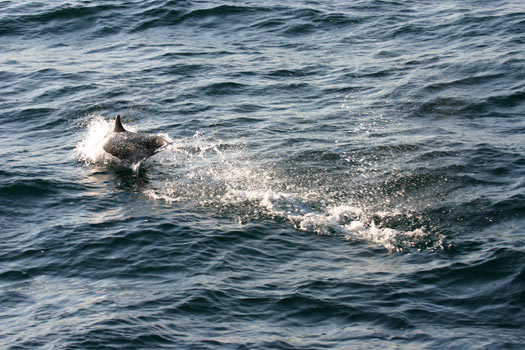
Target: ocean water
(342,175)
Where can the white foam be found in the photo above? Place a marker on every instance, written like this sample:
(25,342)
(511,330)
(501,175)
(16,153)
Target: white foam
(89,150)
(165,195)
(351,222)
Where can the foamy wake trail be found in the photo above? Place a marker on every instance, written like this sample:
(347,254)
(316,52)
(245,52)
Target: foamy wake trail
(202,172)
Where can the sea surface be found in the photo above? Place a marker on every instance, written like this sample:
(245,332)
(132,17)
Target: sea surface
(340,175)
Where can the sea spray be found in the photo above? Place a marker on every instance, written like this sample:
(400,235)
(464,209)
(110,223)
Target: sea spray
(89,149)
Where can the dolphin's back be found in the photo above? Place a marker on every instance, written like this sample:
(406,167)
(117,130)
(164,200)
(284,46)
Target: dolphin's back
(132,146)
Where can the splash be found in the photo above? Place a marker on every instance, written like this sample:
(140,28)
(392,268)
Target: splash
(89,150)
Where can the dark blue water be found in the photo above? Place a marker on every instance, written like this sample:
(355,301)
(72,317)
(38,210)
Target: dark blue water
(342,175)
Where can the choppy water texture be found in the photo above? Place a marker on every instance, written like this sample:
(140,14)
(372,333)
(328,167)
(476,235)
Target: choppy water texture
(342,175)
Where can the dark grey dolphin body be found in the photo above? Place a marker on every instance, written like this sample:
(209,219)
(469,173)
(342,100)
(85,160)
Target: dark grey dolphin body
(130,146)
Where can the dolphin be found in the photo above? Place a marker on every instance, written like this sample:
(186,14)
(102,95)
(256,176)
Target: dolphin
(132,147)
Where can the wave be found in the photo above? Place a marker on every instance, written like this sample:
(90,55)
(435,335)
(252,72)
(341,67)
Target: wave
(56,19)
(95,21)
(29,189)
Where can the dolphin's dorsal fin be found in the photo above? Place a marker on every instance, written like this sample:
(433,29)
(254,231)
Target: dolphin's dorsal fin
(118,125)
